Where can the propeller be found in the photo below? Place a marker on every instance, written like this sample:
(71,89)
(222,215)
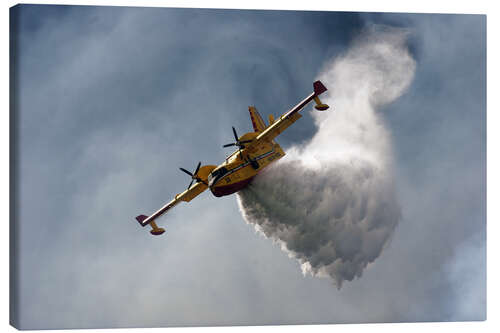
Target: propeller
(194,176)
(240,144)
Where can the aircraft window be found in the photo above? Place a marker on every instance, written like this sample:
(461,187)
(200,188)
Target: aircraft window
(219,172)
(216,175)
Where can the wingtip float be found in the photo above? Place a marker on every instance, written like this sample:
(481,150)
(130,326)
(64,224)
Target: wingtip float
(256,150)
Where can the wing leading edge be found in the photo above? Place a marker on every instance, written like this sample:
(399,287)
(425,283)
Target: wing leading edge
(188,195)
(288,118)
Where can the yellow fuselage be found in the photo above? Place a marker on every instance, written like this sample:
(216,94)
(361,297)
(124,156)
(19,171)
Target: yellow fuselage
(241,166)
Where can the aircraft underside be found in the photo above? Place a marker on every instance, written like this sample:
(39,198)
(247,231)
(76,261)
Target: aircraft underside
(223,190)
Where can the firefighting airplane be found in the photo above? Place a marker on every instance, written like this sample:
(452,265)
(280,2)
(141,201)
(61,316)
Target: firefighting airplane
(256,150)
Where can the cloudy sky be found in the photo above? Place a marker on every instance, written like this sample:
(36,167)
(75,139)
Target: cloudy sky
(112,101)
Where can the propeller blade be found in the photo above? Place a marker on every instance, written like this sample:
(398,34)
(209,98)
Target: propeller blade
(197,168)
(229,145)
(199,180)
(192,180)
(235,135)
(188,172)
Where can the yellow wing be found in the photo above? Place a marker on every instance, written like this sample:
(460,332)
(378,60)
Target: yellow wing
(277,126)
(188,195)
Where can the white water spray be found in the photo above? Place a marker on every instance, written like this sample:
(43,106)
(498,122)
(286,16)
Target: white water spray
(331,203)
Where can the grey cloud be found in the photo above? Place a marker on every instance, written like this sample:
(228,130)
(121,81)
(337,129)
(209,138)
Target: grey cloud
(114,100)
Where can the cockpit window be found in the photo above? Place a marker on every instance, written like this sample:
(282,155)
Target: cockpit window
(217,173)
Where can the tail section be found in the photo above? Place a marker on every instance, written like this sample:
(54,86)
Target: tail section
(257,121)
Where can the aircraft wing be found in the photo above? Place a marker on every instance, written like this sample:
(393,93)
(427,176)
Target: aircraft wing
(288,118)
(188,195)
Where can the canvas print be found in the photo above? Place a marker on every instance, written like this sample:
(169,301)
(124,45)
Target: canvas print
(206,167)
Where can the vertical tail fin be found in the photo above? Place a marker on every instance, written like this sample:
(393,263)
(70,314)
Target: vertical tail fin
(257,121)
